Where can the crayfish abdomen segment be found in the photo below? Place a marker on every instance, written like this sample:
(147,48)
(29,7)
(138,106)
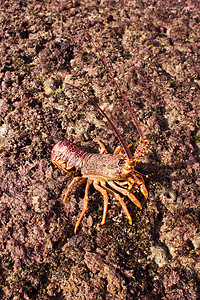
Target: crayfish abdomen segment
(68,156)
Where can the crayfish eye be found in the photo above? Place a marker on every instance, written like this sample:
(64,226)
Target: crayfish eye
(121,162)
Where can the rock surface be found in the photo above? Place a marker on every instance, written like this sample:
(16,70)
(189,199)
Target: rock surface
(152,48)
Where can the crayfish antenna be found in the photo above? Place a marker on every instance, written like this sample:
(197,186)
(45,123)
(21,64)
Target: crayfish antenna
(142,137)
(126,149)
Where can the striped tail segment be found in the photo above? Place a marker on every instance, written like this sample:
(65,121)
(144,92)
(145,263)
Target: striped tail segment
(68,156)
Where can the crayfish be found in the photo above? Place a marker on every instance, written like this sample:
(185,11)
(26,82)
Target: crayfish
(113,174)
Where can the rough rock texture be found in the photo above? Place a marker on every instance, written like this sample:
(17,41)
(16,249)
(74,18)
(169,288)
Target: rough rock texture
(152,48)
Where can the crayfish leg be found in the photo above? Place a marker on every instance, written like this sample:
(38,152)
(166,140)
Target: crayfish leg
(76,179)
(105,198)
(121,201)
(118,151)
(140,183)
(101,145)
(126,193)
(144,191)
(126,182)
(85,203)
